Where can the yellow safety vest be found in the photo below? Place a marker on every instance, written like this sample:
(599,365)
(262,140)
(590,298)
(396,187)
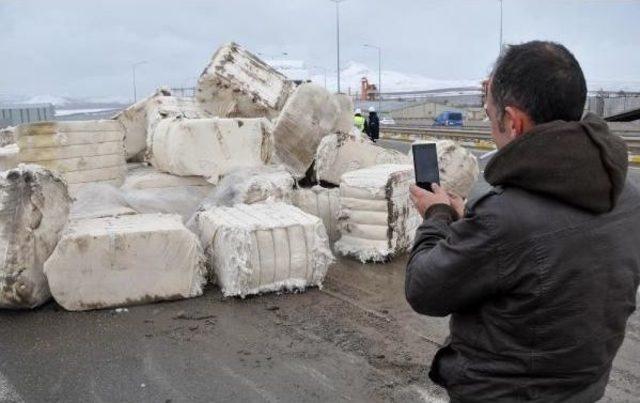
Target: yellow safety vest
(359,122)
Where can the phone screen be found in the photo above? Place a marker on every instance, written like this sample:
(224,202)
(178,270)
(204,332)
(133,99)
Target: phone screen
(425,164)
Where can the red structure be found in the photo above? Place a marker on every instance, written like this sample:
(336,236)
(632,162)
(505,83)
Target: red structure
(368,92)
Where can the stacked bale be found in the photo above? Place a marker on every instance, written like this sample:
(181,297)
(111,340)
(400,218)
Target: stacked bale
(377,220)
(83,152)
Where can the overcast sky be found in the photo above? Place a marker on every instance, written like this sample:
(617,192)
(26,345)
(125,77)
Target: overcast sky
(85,48)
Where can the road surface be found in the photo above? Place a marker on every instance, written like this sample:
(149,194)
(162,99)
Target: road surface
(355,340)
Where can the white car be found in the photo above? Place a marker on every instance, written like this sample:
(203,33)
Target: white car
(387,121)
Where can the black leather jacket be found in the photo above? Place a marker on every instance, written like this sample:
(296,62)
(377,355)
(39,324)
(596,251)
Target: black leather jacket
(539,279)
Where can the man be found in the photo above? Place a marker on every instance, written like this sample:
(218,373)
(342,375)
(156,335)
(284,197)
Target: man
(359,121)
(539,274)
(373,124)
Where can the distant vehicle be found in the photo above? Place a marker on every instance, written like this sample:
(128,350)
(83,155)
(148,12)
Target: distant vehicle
(448,119)
(387,120)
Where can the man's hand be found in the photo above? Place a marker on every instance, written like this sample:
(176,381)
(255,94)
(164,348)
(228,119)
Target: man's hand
(457,203)
(423,199)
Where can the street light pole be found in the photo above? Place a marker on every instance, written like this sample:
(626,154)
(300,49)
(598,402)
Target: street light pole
(338,39)
(133,69)
(379,72)
(324,73)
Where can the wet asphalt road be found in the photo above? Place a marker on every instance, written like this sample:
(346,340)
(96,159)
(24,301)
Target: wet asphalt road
(355,340)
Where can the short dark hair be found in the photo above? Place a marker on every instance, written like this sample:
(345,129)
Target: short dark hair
(543,79)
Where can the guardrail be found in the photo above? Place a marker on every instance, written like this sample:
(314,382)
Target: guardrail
(480,136)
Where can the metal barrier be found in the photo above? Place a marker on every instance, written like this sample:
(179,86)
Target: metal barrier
(479,135)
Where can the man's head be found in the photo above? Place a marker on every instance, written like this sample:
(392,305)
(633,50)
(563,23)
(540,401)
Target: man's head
(533,83)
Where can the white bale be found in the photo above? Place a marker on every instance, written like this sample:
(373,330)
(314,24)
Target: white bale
(9,157)
(210,147)
(377,220)
(98,200)
(323,203)
(339,153)
(344,122)
(140,118)
(251,185)
(458,166)
(7,136)
(309,114)
(34,207)
(237,83)
(82,151)
(264,247)
(147,177)
(126,260)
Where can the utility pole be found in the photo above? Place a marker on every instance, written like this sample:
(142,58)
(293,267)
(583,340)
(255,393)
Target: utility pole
(379,72)
(338,39)
(133,69)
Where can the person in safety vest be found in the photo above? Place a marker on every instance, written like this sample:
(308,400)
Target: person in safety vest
(359,121)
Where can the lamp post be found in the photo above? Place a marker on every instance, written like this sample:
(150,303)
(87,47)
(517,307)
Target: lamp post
(338,39)
(379,71)
(324,73)
(133,69)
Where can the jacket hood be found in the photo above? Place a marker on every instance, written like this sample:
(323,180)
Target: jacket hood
(580,163)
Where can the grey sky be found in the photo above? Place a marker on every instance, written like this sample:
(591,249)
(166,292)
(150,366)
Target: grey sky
(85,48)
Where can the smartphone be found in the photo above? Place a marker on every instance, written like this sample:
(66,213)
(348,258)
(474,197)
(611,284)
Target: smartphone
(425,165)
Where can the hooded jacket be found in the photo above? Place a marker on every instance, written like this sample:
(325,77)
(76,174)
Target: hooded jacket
(540,275)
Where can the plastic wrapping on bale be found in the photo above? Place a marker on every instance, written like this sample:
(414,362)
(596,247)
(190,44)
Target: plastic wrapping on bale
(323,203)
(141,118)
(34,207)
(377,220)
(251,185)
(147,177)
(147,190)
(339,154)
(126,260)
(458,166)
(210,147)
(309,114)
(82,151)
(237,83)
(97,200)
(264,247)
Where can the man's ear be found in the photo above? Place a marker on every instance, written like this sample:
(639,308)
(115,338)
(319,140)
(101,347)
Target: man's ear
(517,122)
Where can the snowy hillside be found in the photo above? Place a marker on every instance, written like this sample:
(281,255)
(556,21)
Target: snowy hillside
(353,72)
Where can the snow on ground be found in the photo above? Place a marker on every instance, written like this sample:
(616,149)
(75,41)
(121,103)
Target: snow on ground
(67,112)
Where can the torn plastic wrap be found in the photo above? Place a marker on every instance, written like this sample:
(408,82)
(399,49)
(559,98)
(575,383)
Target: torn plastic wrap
(251,185)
